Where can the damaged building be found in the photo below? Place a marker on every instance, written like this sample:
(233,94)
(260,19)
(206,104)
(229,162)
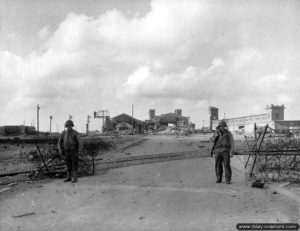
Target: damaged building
(274,117)
(125,124)
(155,122)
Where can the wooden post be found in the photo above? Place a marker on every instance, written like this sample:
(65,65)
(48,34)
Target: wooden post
(257,151)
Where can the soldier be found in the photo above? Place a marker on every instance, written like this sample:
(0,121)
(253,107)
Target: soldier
(69,146)
(223,149)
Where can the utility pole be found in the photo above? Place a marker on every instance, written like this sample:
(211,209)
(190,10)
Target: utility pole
(51,123)
(203,125)
(87,124)
(38,120)
(101,114)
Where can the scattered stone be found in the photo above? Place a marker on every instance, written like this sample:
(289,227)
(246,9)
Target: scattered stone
(275,192)
(141,218)
(52,211)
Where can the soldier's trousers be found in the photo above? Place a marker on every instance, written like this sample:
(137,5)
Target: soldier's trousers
(223,158)
(71,158)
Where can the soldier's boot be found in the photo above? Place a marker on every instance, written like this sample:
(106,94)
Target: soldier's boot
(68,177)
(75,177)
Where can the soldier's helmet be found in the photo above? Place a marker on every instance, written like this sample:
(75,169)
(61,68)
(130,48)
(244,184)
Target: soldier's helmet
(69,123)
(222,123)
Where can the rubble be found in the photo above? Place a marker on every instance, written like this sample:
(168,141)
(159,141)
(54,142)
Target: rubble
(45,161)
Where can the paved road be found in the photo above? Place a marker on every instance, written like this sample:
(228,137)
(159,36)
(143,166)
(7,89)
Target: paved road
(175,195)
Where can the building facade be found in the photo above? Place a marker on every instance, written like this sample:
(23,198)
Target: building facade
(176,118)
(274,117)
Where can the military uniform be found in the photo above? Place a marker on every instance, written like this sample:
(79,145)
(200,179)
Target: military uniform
(223,150)
(69,145)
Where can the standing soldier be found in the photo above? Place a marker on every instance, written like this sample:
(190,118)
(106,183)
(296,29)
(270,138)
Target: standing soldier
(70,145)
(223,149)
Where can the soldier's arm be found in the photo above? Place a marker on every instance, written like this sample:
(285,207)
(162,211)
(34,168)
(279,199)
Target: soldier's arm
(231,144)
(79,141)
(60,143)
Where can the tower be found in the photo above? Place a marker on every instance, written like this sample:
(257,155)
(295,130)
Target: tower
(213,115)
(276,112)
(178,112)
(151,114)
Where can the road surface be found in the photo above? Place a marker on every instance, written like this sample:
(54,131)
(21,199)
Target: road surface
(173,195)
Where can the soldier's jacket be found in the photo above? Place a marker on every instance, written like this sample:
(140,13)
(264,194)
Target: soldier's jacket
(224,142)
(70,140)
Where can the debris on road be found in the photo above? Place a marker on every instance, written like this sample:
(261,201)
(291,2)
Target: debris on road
(23,215)
(258,184)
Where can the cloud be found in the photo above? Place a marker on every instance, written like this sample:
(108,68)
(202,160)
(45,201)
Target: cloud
(183,52)
(44,33)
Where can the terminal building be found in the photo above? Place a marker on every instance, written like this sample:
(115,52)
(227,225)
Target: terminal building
(274,117)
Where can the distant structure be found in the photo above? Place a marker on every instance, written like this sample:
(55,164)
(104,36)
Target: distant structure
(175,118)
(151,114)
(213,115)
(17,130)
(178,112)
(126,124)
(274,117)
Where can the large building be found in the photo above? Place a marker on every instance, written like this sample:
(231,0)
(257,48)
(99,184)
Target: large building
(127,122)
(274,117)
(177,119)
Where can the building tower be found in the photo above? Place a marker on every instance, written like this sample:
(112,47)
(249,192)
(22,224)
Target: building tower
(151,114)
(276,112)
(178,112)
(213,115)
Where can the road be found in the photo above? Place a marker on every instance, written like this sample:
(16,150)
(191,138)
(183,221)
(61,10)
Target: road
(173,195)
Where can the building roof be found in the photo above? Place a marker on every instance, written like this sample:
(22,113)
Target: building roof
(242,117)
(128,119)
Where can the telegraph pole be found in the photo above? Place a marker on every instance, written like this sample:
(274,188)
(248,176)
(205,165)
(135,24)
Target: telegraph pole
(87,124)
(38,119)
(51,123)
(203,125)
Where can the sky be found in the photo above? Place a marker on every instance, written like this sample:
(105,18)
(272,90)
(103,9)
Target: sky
(75,57)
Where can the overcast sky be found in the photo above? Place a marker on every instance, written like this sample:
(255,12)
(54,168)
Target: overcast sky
(73,57)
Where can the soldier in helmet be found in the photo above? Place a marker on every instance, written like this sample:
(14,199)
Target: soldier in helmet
(223,149)
(70,145)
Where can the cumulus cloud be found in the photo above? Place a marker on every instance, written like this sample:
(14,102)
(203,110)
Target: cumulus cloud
(189,52)
(44,33)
